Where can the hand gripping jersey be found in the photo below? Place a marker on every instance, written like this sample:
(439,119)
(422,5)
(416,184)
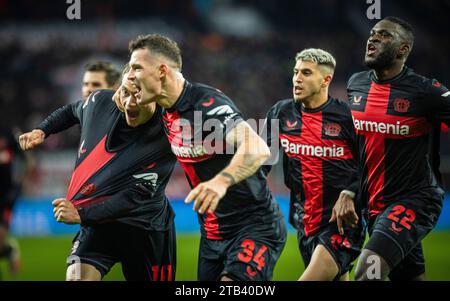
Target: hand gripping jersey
(319,158)
(120,172)
(397,124)
(196,126)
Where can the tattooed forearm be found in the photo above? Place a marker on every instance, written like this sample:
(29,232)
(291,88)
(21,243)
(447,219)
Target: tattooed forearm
(250,165)
(228,176)
(251,153)
(241,167)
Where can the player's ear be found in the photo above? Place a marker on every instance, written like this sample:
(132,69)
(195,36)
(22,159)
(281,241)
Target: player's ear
(163,70)
(327,80)
(403,51)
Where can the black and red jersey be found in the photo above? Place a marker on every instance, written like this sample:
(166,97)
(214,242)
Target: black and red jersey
(397,123)
(9,148)
(319,159)
(120,172)
(196,126)
(9,151)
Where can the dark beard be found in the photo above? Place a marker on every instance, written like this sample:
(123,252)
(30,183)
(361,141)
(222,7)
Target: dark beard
(384,60)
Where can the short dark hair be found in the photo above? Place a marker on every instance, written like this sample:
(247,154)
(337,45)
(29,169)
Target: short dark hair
(112,74)
(160,45)
(125,70)
(408,31)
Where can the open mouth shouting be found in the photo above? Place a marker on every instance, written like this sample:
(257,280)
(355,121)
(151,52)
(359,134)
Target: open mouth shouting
(298,90)
(371,49)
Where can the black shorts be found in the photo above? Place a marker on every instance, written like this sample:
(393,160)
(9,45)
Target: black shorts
(250,255)
(145,255)
(344,249)
(397,232)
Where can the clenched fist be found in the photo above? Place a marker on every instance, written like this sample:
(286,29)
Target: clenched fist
(31,139)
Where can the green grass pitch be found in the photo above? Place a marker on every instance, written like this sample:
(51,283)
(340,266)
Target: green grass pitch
(44,258)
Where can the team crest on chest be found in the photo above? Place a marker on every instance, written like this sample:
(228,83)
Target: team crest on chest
(332,129)
(401,105)
(87,189)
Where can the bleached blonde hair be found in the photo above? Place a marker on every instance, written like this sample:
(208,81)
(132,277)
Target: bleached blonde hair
(319,56)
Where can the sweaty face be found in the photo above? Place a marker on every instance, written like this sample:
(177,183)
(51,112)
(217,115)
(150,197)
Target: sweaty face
(307,80)
(382,46)
(93,80)
(135,114)
(145,75)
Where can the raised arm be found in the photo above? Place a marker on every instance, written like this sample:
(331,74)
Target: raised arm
(60,120)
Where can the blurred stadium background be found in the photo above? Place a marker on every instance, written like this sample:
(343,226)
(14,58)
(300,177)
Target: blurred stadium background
(245,48)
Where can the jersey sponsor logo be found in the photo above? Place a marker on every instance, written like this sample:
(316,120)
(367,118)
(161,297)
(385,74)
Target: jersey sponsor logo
(311,150)
(290,124)
(221,110)
(356,100)
(381,127)
(401,105)
(189,151)
(88,189)
(208,103)
(332,129)
(150,176)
